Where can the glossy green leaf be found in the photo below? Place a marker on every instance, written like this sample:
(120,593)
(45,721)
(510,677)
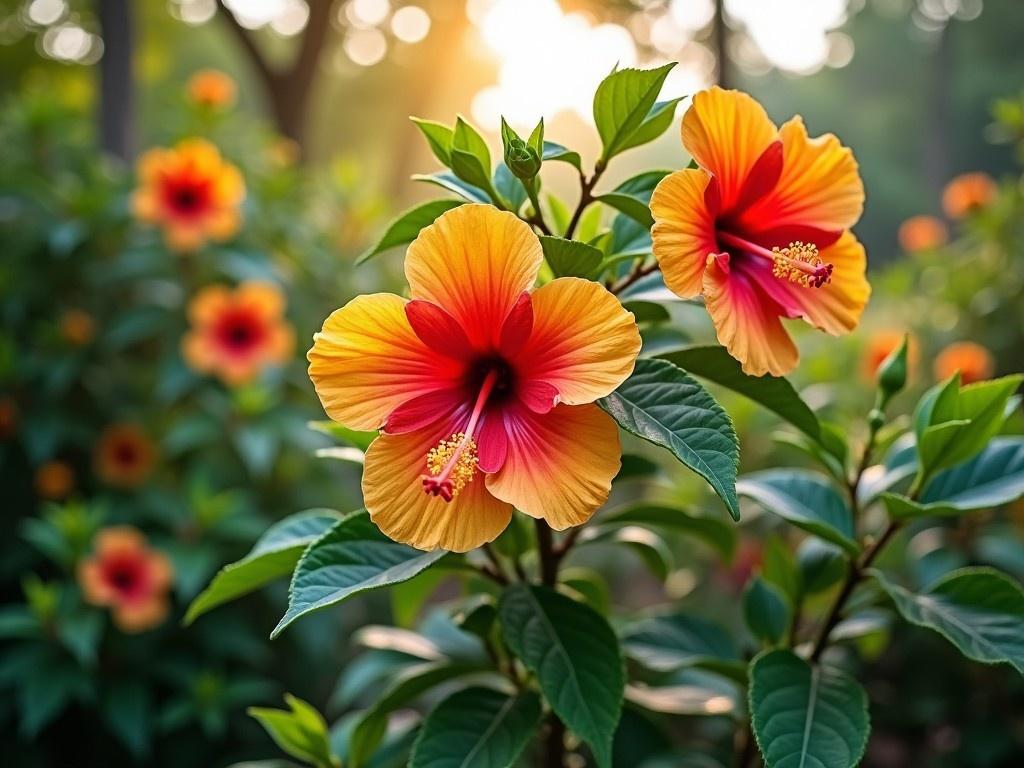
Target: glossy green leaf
(719,535)
(575,656)
(439,137)
(633,196)
(511,189)
(623,102)
(993,477)
(806,716)
(979,610)
(404,229)
(765,611)
(672,642)
(774,393)
(471,158)
(452,183)
(301,732)
(477,728)
(273,556)
(352,557)
(571,258)
(353,437)
(821,565)
(558,153)
(648,546)
(656,123)
(805,499)
(662,404)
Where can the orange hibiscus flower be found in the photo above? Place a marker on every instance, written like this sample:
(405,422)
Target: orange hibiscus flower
(922,233)
(967,194)
(974,362)
(761,229)
(484,391)
(191,192)
(127,576)
(211,88)
(236,334)
(124,456)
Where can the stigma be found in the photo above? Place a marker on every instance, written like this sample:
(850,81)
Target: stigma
(800,263)
(451,465)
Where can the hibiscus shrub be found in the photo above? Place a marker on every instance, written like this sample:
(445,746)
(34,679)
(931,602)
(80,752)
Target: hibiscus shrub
(489,410)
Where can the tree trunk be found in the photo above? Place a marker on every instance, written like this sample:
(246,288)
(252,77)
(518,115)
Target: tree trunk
(116,115)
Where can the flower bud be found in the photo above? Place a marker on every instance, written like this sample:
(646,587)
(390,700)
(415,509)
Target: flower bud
(522,159)
(892,373)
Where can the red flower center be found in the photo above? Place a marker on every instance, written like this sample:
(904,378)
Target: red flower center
(126,453)
(126,575)
(239,332)
(187,197)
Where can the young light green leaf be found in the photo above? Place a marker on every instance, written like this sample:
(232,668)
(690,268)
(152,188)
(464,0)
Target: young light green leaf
(806,716)
(273,556)
(301,732)
(354,437)
(439,137)
(672,642)
(662,404)
(350,558)
(575,656)
(622,102)
(979,610)
(765,611)
(776,394)
(656,123)
(477,728)
(404,229)
(805,499)
(571,258)
(471,159)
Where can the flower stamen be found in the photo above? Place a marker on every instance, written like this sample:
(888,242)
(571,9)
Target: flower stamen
(798,262)
(452,463)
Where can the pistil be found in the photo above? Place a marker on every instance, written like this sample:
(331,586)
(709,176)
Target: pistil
(452,463)
(798,262)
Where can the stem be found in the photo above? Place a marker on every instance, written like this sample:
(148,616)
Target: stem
(546,550)
(495,561)
(639,271)
(554,749)
(586,198)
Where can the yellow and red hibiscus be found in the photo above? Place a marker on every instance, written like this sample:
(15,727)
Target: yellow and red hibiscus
(484,391)
(191,192)
(761,229)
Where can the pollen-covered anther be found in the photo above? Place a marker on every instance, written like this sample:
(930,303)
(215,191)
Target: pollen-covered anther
(451,464)
(800,263)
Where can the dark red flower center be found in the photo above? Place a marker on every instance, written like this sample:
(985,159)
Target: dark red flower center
(240,332)
(126,574)
(187,197)
(126,453)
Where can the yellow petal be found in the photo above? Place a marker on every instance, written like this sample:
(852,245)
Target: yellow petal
(583,343)
(560,464)
(394,496)
(747,321)
(474,262)
(726,132)
(684,230)
(367,361)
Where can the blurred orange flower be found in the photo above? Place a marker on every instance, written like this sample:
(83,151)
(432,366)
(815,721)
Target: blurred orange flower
(879,347)
(190,191)
(8,417)
(124,456)
(761,229)
(967,194)
(77,327)
(127,576)
(54,480)
(974,362)
(922,233)
(235,334)
(211,88)
(483,388)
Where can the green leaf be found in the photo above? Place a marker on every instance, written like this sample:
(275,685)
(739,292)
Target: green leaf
(273,556)
(571,258)
(407,226)
(301,732)
(509,187)
(672,642)
(454,184)
(633,196)
(806,716)
(662,404)
(656,123)
(558,153)
(993,477)
(979,610)
(622,102)
(648,311)
(648,546)
(765,611)
(477,728)
(350,558)
(778,567)
(805,499)
(774,393)
(575,656)
(353,437)
(821,565)
(471,159)
(718,535)
(439,137)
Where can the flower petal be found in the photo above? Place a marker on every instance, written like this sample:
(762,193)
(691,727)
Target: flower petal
(726,132)
(835,307)
(393,494)
(747,320)
(438,330)
(474,261)
(684,230)
(584,343)
(367,361)
(819,187)
(560,464)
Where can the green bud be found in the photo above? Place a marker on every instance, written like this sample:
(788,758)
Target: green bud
(522,158)
(892,373)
